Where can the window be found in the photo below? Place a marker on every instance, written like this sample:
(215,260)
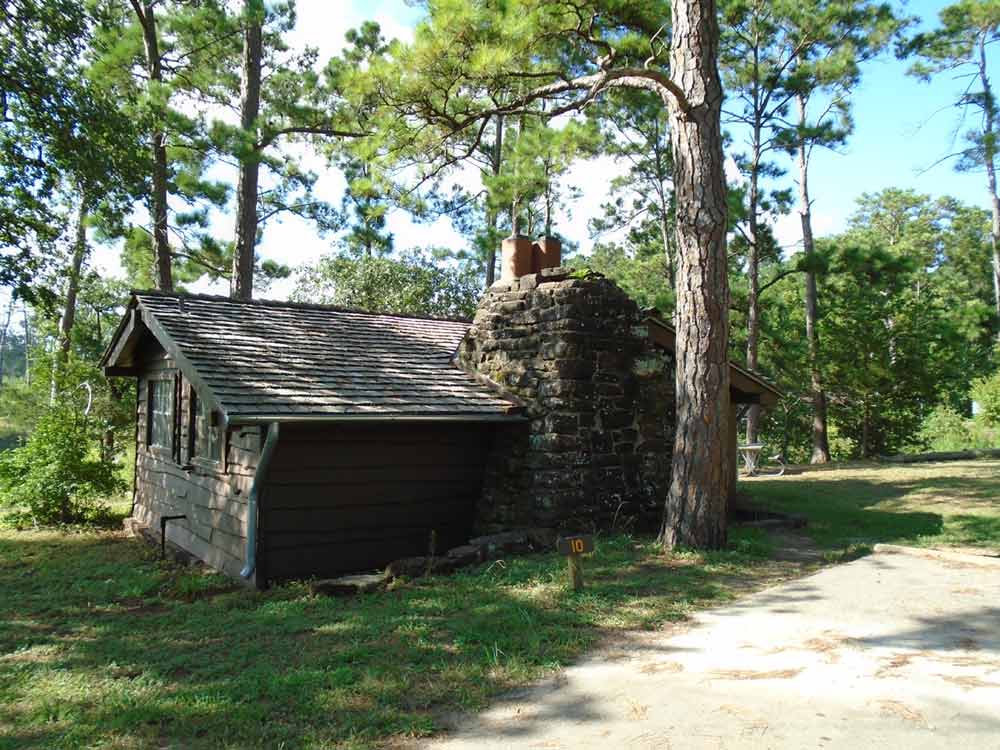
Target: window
(206,441)
(161,413)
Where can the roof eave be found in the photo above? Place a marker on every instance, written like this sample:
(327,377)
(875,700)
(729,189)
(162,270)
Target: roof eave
(256,419)
(770,393)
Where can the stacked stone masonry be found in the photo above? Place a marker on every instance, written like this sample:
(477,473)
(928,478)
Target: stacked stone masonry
(599,395)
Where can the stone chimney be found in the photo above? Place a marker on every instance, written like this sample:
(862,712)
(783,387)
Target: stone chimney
(596,448)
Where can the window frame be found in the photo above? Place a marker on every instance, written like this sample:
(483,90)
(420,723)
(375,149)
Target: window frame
(166,449)
(195,404)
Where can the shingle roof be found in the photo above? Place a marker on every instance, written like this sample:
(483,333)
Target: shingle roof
(291,360)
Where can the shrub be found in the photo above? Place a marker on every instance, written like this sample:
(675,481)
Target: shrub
(986,393)
(53,478)
(944,429)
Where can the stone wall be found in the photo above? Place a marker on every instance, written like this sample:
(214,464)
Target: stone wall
(599,395)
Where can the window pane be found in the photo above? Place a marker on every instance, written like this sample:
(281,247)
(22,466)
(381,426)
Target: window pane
(207,441)
(161,404)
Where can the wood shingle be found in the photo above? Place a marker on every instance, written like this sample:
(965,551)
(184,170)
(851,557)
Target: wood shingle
(261,360)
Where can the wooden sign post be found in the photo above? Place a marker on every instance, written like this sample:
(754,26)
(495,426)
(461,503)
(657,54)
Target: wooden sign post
(573,547)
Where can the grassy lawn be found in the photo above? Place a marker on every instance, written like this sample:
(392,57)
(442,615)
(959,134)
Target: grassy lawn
(101,645)
(854,507)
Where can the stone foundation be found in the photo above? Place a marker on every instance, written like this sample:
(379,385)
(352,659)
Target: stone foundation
(599,396)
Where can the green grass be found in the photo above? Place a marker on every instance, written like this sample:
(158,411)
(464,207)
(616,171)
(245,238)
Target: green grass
(101,645)
(851,508)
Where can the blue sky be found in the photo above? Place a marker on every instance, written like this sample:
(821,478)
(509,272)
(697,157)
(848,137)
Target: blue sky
(902,127)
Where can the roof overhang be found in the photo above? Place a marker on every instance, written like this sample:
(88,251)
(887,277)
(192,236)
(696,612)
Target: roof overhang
(745,387)
(120,357)
(256,419)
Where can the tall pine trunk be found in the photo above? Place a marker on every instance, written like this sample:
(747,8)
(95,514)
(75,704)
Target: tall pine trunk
(753,237)
(241,283)
(753,291)
(27,344)
(492,215)
(989,157)
(73,273)
(3,335)
(162,269)
(695,512)
(68,318)
(821,442)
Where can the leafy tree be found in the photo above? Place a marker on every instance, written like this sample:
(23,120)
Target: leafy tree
(637,266)
(415,284)
(367,196)
(775,53)
(63,139)
(960,46)
(166,63)
(637,133)
(282,99)
(898,345)
(986,393)
(52,478)
(823,78)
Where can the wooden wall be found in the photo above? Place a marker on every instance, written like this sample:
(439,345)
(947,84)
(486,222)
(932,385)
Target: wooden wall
(214,498)
(348,497)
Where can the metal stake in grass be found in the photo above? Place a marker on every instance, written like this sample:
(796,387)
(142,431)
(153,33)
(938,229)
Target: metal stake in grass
(573,547)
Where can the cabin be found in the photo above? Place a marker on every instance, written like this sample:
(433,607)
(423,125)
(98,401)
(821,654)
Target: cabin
(279,441)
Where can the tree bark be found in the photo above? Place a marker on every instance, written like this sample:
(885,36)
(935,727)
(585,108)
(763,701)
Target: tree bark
(27,345)
(492,215)
(695,512)
(821,442)
(753,262)
(241,283)
(68,319)
(162,267)
(753,302)
(989,157)
(3,335)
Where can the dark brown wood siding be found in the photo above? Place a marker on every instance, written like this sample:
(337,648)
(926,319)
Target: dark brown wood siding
(213,496)
(348,497)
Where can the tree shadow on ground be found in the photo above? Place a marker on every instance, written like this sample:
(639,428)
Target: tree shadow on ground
(96,648)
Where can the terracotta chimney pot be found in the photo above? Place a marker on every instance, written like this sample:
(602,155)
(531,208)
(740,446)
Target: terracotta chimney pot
(516,258)
(548,253)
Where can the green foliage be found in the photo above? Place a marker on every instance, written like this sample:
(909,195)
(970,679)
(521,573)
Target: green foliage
(986,392)
(640,268)
(961,43)
(944,429)
(636,133)
(54,477)
(61,135)
(416,283)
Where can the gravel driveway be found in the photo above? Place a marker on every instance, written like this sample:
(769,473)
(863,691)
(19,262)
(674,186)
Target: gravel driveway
(900,649)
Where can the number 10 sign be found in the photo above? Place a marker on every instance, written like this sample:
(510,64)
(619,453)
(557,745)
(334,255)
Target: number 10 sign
(573,547)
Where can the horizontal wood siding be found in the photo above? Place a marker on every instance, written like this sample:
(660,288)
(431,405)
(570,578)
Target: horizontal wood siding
(213,497)
(344,498)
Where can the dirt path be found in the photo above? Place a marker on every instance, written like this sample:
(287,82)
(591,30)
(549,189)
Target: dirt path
(890,651)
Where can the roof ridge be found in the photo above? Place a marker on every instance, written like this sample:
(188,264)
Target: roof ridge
(292,305)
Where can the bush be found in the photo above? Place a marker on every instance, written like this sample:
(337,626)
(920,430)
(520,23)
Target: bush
(53,478)
(986,393)
(944,429)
